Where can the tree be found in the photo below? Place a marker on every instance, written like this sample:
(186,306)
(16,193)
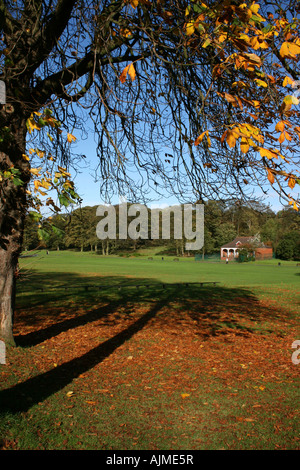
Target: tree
(153,78)
(289,247)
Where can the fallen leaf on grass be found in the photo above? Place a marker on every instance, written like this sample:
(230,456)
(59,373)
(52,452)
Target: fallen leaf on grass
(184,395)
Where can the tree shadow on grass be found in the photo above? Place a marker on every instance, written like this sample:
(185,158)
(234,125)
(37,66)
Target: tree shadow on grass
(210,309)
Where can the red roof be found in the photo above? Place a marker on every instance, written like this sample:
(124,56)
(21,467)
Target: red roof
(241,241)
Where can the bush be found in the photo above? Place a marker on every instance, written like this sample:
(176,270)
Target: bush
(289,247)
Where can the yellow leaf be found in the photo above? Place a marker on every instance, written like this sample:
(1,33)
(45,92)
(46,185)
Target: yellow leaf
(70,393)
(31,124)
(223,37)
(289,49)
(189,29)
(131,72)
(260,82)
(268,153)
(288,81)
(185,395)
(134,3)
(254,59)
(255,103)
(254,7)
(71,138)
(129,69)
(244,145)
(200,138)
(25,157)
(45,184)
(35,171)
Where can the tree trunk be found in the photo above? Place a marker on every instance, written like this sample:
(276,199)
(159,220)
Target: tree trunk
(12,217)
(8,264)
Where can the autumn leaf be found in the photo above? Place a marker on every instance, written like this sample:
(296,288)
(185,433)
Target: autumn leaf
(253,58)
(189,29)
(270,176)
(130,70)
(284,135)
(289,49)
(261,82)
(291,183)
(125,32)
(280,126)
(288,81)
(230,139)
(229,98)
(244,145)
(71,138)
(200,138)
(35,171)
(231,136)
(268,153)
(134,3)
(185,395)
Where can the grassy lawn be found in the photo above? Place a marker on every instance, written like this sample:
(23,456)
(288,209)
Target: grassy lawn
(146,358)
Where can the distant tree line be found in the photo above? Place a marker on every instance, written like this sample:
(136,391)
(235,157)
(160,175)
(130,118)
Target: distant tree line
(223,221)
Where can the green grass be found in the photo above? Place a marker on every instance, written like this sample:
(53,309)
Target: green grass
(163,366)
(187,270)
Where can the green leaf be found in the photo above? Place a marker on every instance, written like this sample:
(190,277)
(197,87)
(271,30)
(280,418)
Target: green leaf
(43,234)
(64,201)
(35,216)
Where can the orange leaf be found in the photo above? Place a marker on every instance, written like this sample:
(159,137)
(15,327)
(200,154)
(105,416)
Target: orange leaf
(230,98)
(291,183)
(270,176)
(200,138)
(184,395)
(71,138)
(130,70)
(231,138)
(134,3)
(280,126)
